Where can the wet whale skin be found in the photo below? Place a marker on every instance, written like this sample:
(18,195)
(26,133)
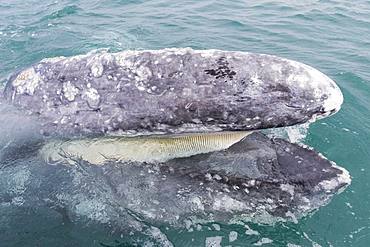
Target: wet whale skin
(171,91)
(257,179)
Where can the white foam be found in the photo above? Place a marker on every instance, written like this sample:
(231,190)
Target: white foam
(263,241)
(226,203)
(197,203)
(213,241)
(295,134)
(159,236)
(216,227)
(250,231)
(233,235)
(93,209)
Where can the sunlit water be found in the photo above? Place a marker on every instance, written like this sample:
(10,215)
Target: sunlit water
(333,36)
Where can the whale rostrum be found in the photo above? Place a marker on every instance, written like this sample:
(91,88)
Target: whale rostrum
(171,91)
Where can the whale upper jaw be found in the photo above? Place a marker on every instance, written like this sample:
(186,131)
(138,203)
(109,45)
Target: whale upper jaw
(334,96)
(334,101)
(172,91)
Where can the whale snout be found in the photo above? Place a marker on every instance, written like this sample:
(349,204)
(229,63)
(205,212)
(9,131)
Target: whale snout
(334,99)
(213,91)
(321,87)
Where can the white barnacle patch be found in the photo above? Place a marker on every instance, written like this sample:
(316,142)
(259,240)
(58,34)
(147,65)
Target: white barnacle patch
(92,94)
(256,80)
(125,59)
(27,81)
(92,97)
(97,69)
(70,91)
(142,73)
(276,67)
(97,61)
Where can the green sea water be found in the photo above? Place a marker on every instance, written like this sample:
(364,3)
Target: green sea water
(331,35)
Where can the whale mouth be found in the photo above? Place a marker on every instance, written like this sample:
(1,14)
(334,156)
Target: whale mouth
(236,170)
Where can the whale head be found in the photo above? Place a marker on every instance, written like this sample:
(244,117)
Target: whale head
(172,91)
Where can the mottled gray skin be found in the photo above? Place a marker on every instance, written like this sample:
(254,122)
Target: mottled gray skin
(170,91)
(257,179)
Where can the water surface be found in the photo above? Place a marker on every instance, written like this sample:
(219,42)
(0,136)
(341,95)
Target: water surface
(331,35)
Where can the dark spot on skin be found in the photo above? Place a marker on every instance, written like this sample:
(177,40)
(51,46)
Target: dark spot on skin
(293,106)
(174,74)
(324,97)
(279,87)
(223,70)
(62,78)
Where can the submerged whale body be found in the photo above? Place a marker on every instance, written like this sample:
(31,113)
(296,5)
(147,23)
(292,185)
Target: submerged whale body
(171,91)
(257,179)
(81,108)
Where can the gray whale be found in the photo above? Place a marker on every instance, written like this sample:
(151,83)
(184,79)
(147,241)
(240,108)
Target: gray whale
(171,91)
(258,179)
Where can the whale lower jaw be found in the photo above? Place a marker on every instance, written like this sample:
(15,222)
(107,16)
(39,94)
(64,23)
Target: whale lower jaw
(257,179)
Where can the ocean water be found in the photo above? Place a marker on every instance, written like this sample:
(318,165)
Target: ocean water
(331,35)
